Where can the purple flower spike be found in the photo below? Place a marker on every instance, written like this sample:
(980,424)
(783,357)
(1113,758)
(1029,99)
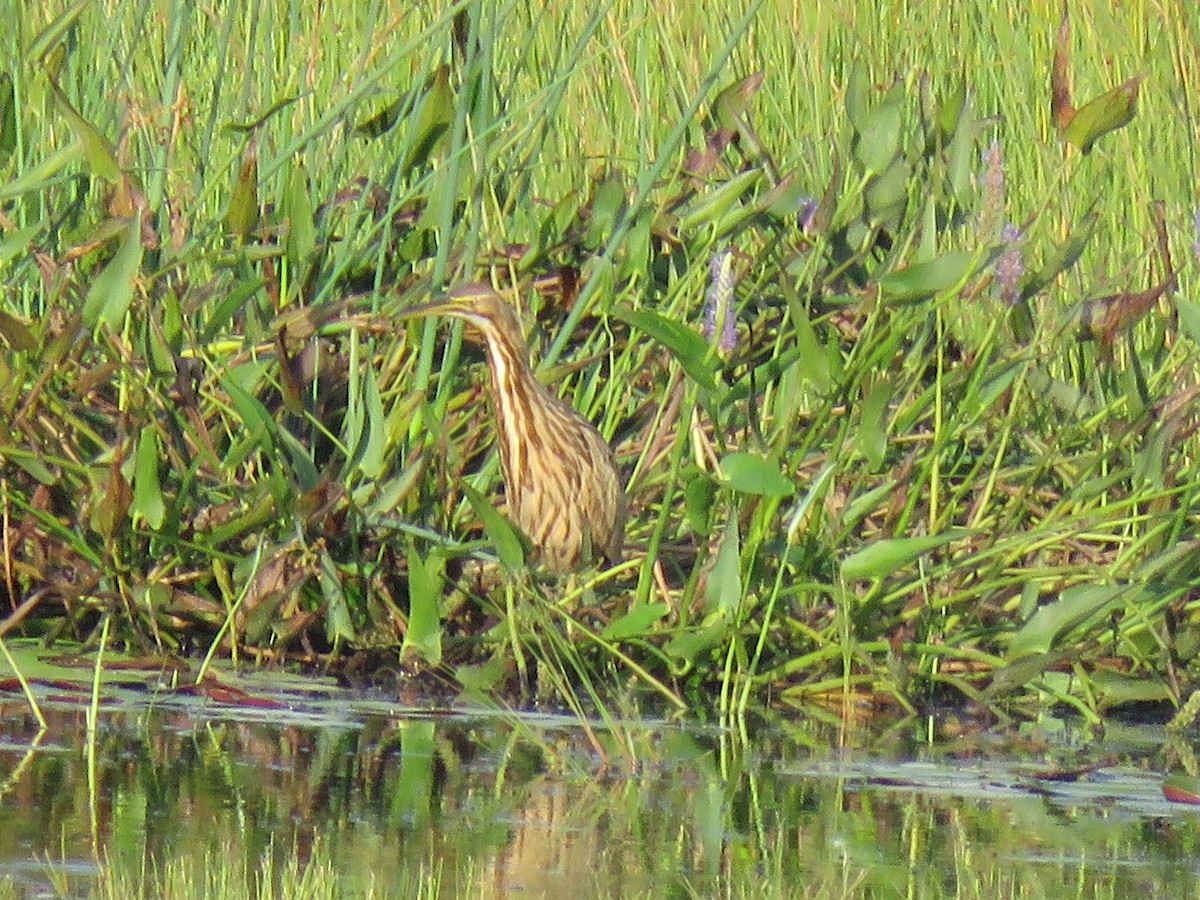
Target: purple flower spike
(720,300)
(808,213)
(992,207)
(1010,267)
(1196,246)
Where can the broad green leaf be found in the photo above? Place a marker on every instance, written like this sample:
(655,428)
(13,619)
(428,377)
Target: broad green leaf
(1189,318)
(1020,320)
(242,214)
(111,293)
(484,677)
(857,88)
(372,461)
(867,502)
(732,104)
(1177,564)
(691,644)
(697,502)
(924,280)
(887,193)
(409,801)
(636,622)
(502,533)
(300,456)
(878,142)
(431,117)
(147,492)
(962,152)
(259,426)
(353,422)
(749,473)
(872,432)
(339,624)
(951,107)
(685,344)
(110,500)
(384,120)
(34,466)
(1113,689)
(881,558)
(158,352)
(813,492)
(813,357)
(785,199)
(712,206)
(430,107)
(606,207)
(96,149)
(424,635)
(998,380)
(16,332)
(258,515)
(1111,110)
(638,247)
(723,592)
(17,242)
(301,239)
(1014,676)
(1076,606)
(1150,460)
(1066,396)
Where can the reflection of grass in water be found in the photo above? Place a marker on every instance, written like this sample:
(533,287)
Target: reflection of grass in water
(476,809)
(295,875)
(220,439)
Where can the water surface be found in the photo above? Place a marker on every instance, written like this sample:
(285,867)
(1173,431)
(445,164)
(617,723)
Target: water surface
(265,777)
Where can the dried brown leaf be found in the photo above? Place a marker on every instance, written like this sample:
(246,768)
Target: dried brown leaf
(1060,76)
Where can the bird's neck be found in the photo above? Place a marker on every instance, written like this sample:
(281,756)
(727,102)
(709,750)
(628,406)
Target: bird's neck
(509,363)
(515,406)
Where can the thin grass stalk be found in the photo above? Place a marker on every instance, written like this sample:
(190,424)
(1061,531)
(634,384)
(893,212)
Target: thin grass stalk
(26,689)
(93,733)
(227,625)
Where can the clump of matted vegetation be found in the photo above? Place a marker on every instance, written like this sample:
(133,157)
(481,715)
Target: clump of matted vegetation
(902,457)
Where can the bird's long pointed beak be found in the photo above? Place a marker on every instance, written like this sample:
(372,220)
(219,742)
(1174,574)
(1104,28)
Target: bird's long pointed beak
(454,301)
(424,310)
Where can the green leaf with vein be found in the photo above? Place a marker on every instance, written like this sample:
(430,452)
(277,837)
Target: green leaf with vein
(882,558)
(749,473)
(147,492)
(1111,110)
(502,533)
(424,634)
(1076,606)
(111,293)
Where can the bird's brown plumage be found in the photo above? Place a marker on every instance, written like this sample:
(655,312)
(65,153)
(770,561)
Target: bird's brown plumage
(561,480)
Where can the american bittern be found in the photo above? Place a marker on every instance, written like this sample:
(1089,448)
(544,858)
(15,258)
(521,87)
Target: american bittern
(560,477)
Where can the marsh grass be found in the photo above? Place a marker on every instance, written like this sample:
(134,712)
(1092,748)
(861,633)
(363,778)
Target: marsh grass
(896,484)
(298,875)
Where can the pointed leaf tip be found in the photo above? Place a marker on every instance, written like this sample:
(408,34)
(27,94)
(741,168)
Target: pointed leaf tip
(732,105)
(1111,110)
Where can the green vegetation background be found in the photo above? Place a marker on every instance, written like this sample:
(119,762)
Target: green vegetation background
(915,475)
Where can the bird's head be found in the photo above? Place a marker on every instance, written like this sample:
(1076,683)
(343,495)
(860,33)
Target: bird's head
(476,304)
